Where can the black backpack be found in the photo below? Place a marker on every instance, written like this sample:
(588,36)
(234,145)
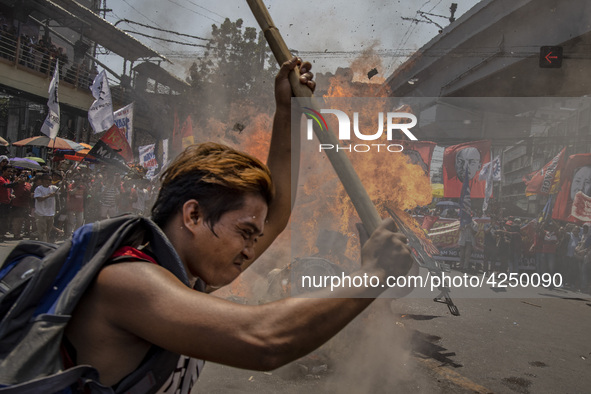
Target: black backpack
(40,284)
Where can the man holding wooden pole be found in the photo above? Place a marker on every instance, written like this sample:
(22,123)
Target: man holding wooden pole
(136,305)
(219,209)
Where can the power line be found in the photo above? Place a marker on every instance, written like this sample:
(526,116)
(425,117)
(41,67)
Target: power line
(410,30)
(133,8)
(196,12)
(167,40)
(139,12)
(160,28)
(215,13)
(510,52)
(184,55)
(163,30)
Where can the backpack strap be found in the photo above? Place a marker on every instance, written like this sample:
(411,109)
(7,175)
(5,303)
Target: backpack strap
(149,377)
(66,273)
(57,382)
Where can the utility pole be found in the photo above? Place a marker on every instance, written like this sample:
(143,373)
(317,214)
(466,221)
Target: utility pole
(426,17)
(103,8)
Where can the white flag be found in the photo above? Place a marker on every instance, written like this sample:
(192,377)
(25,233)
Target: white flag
(52,122)
(124,120)
(490,172)
(496,169)
(148,159)
(147,156)
(100,114)
(485,172)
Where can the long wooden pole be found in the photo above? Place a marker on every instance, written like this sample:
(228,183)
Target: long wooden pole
(340,162)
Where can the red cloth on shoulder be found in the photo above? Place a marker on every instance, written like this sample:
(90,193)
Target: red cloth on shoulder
(128,251)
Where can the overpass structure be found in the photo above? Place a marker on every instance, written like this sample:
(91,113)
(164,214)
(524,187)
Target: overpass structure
(493,51)
(482,78)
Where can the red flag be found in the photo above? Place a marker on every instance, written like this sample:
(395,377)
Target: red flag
(466,158)
(576,177)
(110,148)
(115,138)
(418,152)
(545,180)
(429,221)
(187,133)
(175,146)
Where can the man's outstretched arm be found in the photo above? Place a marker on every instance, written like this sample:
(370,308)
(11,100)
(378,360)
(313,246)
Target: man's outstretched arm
(149,302)
(284,153)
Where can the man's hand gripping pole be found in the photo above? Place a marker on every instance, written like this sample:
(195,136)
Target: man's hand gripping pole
(340,162)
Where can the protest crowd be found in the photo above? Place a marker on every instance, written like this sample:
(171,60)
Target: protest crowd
(471,231)
(555,240)
(49,204)
(509,244)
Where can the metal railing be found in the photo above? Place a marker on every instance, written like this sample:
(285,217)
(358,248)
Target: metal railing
(40,58)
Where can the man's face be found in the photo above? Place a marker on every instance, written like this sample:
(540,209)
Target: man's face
(581,182)
(219,260)
(470,158)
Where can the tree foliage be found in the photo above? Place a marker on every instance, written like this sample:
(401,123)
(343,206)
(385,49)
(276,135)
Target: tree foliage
(238,65)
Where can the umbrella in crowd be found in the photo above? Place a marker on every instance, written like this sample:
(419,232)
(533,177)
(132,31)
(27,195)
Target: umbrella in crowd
(25,163)
(448,204)
(57,143)
(82,152)
(37,159)
(76,157)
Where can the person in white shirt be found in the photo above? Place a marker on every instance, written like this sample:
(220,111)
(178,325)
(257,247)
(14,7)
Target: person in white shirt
(45,207)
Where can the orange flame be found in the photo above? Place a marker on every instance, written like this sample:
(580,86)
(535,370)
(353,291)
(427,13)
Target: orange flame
(389,178)
(322,203)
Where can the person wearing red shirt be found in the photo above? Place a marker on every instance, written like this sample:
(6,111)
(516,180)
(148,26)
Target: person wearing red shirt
(75,204)
(5,197)
(536,248)
(549,250)
(21,205)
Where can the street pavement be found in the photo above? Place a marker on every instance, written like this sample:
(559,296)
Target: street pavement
(511,345)
(538,344)
(506,340)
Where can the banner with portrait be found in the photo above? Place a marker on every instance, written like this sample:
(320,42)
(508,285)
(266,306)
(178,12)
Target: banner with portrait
(465,160)
(575,178)
(581,208)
